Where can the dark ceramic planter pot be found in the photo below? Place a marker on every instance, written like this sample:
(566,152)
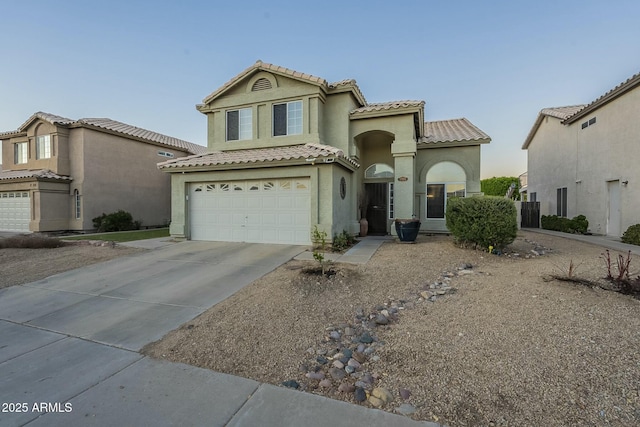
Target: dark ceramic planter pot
(407,229)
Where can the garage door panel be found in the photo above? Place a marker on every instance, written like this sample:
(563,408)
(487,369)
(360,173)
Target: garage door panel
(15,211)
(268,211)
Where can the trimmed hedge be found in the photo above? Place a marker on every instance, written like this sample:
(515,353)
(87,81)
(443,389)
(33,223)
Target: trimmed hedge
(116,221)
(632,235)
(576,225)
(484,221)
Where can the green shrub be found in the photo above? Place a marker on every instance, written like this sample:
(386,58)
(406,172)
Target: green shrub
(116,221)
(576,225)
(632,235)
(498,186)
(33,241)
(483,221)
(342,241)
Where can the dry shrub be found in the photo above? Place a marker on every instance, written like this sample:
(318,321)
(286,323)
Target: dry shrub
(30,242)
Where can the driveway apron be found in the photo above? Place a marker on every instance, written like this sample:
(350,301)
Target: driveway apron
(69,343)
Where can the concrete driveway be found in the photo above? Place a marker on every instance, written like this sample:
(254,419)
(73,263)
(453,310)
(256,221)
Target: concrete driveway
(61,337)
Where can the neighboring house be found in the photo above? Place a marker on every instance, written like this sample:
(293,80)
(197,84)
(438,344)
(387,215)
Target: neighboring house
(583,160)
(289,151)
(59,173)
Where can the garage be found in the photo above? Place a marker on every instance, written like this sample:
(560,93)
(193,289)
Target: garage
(255,211)
(15,211)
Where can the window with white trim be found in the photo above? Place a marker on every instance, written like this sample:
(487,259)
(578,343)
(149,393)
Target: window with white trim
(239,124)
(287,118)
(444,180)
(20,153)
(43,147)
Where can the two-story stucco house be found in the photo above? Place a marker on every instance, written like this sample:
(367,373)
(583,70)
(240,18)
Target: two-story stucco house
(59,174)
(289,151)
(583,160)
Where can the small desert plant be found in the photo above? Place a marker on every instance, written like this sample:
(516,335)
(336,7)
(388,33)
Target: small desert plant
(342,241)
(632,235)
(622,278)
(31,242)
(115,221)
(320,240)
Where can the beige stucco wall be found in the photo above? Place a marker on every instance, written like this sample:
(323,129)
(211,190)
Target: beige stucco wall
(584,160)
(120,173)
(261,102)
(608,151)
(467,157)
(328,211)
(551,165)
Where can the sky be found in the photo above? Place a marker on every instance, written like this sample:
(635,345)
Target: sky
(148,63)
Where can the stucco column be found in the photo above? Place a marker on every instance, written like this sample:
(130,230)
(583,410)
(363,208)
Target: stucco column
(404,153)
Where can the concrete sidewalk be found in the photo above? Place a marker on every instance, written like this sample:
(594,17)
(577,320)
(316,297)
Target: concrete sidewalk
(69,346)
(360,253)
(604,241)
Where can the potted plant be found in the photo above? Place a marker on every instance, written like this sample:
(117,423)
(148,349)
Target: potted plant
(363,204)
(407,229)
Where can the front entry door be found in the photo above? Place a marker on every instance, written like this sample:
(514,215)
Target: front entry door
(377,207)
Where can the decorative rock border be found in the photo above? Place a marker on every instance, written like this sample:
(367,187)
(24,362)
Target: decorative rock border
(344,360)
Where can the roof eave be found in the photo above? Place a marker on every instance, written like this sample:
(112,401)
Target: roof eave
(356,115)
(533,131)
(258,164)
(456,143)
(616,92)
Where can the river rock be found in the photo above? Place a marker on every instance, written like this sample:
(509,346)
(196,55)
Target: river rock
(359,394)
(383,394)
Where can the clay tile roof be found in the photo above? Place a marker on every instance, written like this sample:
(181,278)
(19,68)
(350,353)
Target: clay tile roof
(148,135)
(382,106)
(455,130)
(259,65)
(349,84)
(51,118)
(562,112)
(257,155)
(622,88)
(37,173)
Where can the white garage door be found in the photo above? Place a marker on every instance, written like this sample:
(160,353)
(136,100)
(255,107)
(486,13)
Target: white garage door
(15,211)
(258,211)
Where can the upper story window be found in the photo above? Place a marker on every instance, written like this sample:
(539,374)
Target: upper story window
(239,124)
(43,147)
(20,153)
(287,118)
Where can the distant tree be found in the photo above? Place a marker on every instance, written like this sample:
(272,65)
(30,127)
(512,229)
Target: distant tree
(498,186)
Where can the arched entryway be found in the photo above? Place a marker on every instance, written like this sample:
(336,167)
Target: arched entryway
(379,190)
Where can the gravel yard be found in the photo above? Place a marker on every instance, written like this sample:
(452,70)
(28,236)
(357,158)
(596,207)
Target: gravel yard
(430,330)
(495,344)
(19,266)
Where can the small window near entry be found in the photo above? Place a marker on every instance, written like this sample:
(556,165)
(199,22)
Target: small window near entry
(390,204)
(76,197)
(165,154)
(533,197)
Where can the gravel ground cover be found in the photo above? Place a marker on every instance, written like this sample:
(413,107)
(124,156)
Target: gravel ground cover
(20,266)
(437,333)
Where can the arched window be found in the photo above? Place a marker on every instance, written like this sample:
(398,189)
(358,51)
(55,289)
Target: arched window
(378,170)
(444,180)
